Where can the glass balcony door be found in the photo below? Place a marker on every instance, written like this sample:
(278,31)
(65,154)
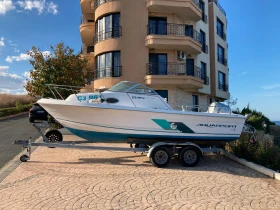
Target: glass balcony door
(157,25)
(190,67)
(158,64)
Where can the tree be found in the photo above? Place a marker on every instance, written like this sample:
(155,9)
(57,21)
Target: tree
(60,66)
(231,101)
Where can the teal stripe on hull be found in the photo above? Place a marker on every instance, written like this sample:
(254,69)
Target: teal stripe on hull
(118,137)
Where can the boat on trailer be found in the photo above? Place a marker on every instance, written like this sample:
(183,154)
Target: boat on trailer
(131,110)
(136,114)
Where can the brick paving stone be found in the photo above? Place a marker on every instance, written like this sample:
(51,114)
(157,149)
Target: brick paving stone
(90,179)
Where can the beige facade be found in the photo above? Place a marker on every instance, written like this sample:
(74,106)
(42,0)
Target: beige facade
(157,43)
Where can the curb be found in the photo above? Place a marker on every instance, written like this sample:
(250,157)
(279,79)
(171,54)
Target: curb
(256,167)
(7,169)
(15,115)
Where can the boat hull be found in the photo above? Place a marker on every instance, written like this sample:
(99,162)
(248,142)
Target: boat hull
(105,123)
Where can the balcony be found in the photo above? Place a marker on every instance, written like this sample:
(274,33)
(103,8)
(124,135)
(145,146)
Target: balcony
(87,6)
(219,6)
(221,33)
(223,86)
(173,36)
(204,18)
(97,3)
(204,48)
(184,9)
(87,28)
(222,59)
(108,72)
(88,53)
(85,49)
(175,74)
(109,33)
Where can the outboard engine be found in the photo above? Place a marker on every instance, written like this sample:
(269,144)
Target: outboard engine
(217,107)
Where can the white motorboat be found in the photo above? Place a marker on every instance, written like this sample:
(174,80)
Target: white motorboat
(131,110)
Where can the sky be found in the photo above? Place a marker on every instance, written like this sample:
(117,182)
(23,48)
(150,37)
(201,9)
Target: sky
(253,28)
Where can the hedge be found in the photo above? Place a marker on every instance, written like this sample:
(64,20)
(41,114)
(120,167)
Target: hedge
(14,110)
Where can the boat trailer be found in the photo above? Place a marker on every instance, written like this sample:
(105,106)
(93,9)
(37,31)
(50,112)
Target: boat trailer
(159,152)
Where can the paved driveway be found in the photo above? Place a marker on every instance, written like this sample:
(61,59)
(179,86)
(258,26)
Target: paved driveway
(83,179)
(10,130)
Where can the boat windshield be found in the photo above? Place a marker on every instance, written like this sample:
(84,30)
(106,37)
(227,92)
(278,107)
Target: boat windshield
(131,87)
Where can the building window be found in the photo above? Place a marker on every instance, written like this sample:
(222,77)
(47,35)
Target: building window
(220,29)
(163,93)
(157,64)
(221,55)
(203,41)
(157,25)
(204,73)
(107,27)
(195,103)
(107,65)
(202,7)
(222,82)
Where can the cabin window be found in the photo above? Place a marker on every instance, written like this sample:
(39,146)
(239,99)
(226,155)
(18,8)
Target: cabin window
(163,93)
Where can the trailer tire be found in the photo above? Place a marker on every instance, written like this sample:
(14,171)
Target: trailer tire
(189,156)
(160,156)
(54,136)
(23,158)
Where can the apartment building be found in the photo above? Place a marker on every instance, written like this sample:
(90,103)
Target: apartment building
(178,48)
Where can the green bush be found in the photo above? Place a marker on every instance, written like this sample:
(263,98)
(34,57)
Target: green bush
(14,110)
(262,152)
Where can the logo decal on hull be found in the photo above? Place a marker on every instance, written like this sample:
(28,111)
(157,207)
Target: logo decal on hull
(217,126)
(179,126)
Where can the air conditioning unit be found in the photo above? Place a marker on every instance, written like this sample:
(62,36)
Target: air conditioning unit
(181,55)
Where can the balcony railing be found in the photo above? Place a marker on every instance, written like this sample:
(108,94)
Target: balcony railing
(204,48)
(173,30)
(206,80)
(204,18)
(108,34)
(221,33)
(97,3)
(223,86)
(222,59)
(196,2)
(86,18)
(170,68)
(219,6)
(113,71)
(87,49)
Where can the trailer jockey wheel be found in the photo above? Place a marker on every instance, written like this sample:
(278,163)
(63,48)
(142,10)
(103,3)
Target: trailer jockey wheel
(24,158)
(54,136)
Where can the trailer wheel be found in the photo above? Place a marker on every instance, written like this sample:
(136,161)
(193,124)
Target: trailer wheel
(54,136)
(24,158)
(160,156)
(189,156)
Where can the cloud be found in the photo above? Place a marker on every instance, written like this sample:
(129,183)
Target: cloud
(40,5)
(26,74)
(6,5)
(2,44)
(10,83)
(270,87)
(243,73)
(4,68)
(21,57)
(16,50)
